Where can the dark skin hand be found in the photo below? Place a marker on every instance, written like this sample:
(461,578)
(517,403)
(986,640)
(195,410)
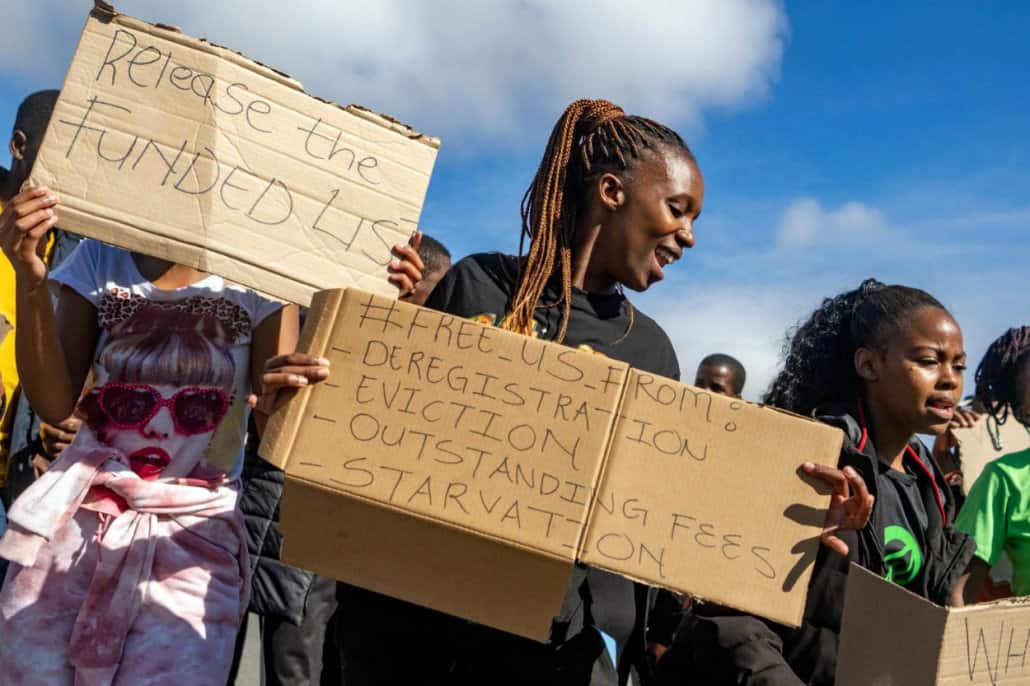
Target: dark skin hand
(297,370)
(945,443)
(970,585)
(55,438)
(851,504)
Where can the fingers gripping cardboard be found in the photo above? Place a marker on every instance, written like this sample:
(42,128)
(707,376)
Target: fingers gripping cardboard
(175,147)
(468,469)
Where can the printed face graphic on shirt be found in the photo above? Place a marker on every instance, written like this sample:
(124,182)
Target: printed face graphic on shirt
(169,378)
(902,556)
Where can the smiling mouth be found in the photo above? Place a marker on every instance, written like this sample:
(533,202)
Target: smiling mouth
(665,256)
(149,462)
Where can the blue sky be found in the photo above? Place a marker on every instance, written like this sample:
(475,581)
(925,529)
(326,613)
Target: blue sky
(838,140)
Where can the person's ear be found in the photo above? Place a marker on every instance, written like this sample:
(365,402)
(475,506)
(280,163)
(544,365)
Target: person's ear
(17,145)
(866,365)
(611,191)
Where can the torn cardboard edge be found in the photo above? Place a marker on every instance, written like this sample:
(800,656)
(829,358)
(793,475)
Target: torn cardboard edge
(107,13)
(137,210)
(890,635)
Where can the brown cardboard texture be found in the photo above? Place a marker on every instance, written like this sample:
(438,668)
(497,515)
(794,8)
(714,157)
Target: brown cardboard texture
(443,462)
(701,494)
(891,637)
(977,445)
(175,147)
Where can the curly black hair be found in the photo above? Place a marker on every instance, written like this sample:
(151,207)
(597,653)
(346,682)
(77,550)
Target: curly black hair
(818,366)
(996,374)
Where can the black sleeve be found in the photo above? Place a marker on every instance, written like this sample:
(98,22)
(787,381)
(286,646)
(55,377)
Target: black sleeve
(730,648)
(443,292)
(664,618)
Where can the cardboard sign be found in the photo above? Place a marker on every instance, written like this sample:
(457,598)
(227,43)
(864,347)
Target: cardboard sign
(977,445)
(688,500)
(466,469)
(175,147)
(461,459)
(891,637)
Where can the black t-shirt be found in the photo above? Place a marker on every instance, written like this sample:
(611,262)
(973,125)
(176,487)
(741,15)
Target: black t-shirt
(904,520)
(481,287)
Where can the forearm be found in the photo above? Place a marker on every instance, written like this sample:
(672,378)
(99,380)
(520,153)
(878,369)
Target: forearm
(42,368)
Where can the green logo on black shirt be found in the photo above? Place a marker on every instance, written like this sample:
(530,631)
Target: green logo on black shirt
(903,559)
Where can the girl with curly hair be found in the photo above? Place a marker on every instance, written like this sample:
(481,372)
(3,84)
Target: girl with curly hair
(882,363)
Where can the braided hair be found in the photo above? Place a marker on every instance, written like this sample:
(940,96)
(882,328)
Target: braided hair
(592,137)
(995,376)
(819,367)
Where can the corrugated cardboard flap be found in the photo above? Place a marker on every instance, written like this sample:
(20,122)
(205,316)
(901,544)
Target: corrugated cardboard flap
(889,636)
(281,430)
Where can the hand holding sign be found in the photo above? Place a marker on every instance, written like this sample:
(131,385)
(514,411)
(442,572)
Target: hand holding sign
(296,370)
(23,228)
(849,510)
(406,272)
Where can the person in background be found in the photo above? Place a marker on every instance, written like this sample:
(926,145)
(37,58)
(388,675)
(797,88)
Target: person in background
(721,373)
(22,458)
(437,260)
(996,513)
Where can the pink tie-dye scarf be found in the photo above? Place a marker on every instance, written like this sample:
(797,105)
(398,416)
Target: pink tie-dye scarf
(117,580)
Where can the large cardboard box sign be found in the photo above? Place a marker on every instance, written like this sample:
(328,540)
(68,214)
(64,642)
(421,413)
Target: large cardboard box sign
(443,462)
(699,495)
(467,469)
(892,637)
(985,442)
(175,147)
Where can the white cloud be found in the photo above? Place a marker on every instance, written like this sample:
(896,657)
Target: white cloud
(806,222)
(748,321)
(745,305)
(461,67)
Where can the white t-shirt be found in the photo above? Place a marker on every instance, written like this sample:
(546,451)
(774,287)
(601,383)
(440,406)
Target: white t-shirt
(208,327)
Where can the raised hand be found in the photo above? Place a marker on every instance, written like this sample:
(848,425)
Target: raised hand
(24,224)
(851,504)
(406,270)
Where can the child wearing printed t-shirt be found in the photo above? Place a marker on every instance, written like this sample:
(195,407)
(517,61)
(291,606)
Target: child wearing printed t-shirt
(128,558)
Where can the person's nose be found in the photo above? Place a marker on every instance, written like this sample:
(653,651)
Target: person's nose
(160,426)
(950,377)
(685,236)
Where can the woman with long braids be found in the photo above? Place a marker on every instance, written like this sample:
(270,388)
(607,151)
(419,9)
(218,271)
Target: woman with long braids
(612,205)
(996,513)
(882,363)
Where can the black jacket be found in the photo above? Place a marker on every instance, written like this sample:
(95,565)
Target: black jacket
(720,646)
(277,590)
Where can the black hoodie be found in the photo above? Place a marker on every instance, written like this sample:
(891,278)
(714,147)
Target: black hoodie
(720,646)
